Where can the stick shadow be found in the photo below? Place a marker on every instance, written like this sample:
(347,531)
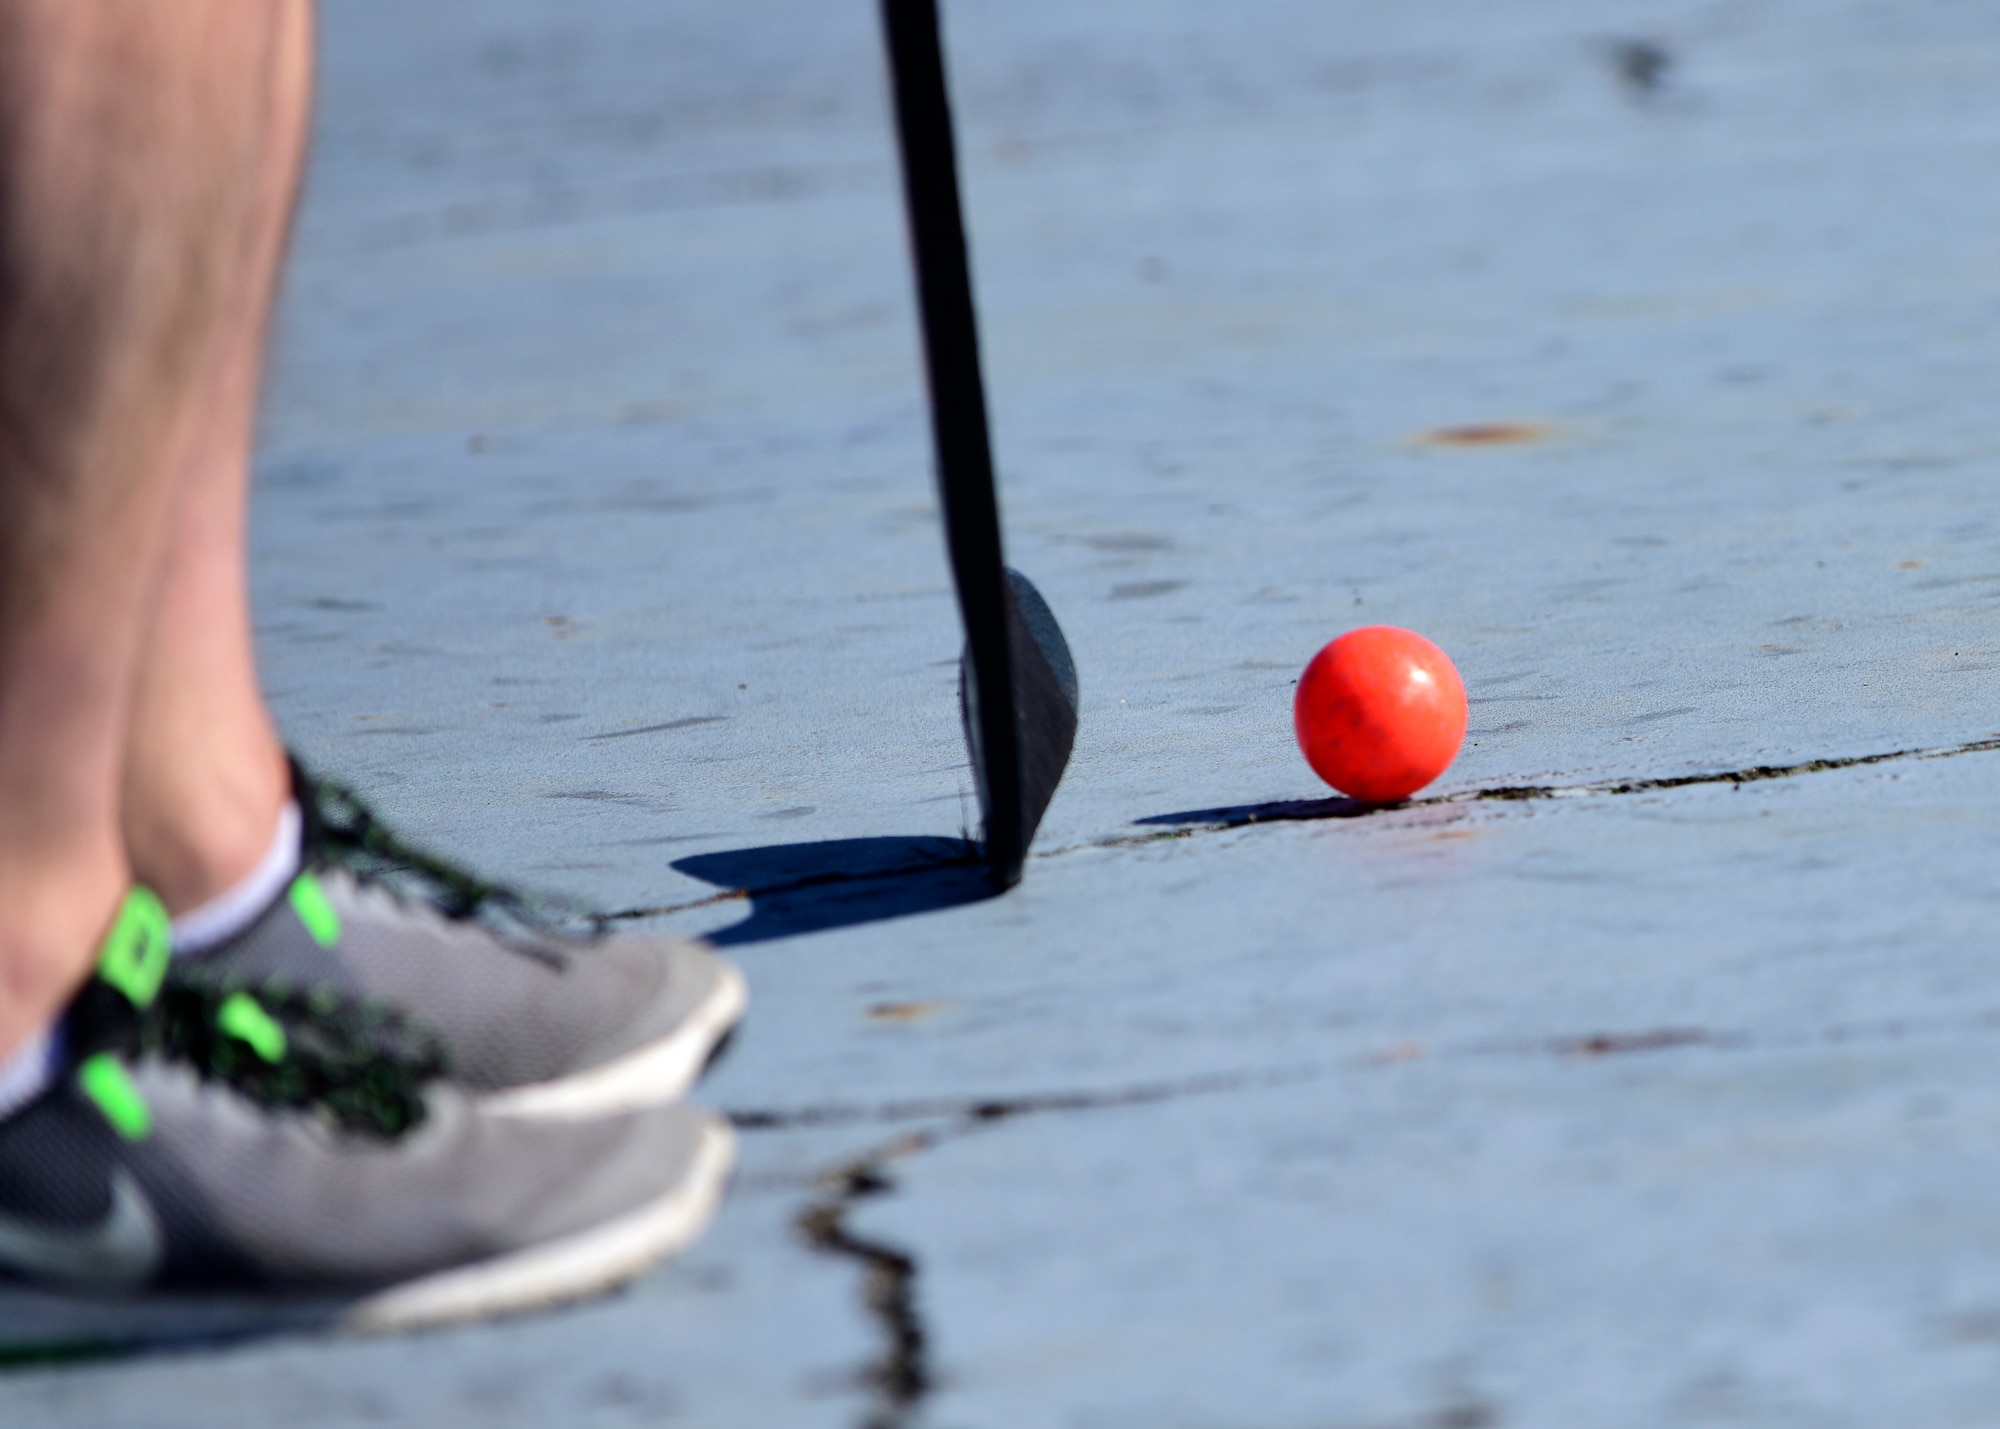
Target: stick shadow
(1275,811)
(841,883)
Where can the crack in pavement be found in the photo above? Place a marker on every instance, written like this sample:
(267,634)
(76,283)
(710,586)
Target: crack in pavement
(1221,820)
(901,1377)
(991,1109)
(1200,821)
(974,1112)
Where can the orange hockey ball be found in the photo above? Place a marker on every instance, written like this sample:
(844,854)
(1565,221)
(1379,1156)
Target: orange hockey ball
(1380,713)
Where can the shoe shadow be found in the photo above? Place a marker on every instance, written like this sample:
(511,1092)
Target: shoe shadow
(840,883)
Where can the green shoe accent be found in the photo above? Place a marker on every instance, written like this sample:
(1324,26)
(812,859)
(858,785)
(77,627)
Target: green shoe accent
(358,1065)
(105,1081)
(136,951)
(309,902)
(242,1018)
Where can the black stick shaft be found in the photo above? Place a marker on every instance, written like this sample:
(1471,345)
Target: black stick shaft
(958,398)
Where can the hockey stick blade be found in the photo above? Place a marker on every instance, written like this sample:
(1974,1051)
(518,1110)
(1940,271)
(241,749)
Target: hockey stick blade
(1045,699)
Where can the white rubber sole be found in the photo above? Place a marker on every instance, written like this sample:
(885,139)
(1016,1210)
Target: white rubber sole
(658,1072)
(577,1266)
(37,1323)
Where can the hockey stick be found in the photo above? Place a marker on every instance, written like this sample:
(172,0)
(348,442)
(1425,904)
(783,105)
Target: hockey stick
(1017,682)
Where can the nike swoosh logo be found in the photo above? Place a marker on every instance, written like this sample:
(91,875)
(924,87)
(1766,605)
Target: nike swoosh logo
(119,1252)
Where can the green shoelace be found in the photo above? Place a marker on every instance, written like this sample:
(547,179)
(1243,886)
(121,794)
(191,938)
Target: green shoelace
(358,1064)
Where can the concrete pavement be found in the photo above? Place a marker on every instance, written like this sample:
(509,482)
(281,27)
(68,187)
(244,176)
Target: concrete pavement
(1644,360)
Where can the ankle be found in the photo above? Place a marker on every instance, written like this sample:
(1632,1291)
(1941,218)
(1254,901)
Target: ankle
(191,843)
(234,911)
(57,910)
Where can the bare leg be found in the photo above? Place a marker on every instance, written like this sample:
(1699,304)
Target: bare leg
(205,774)
(130,140)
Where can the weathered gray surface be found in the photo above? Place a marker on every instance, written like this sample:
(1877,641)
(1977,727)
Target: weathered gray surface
(598,415)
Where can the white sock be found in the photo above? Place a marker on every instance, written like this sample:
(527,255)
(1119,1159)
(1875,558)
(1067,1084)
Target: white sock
(28,1070)
(238,906)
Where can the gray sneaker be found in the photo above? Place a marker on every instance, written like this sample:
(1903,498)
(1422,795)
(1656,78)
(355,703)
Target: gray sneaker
(148,1195)
(535,1020)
